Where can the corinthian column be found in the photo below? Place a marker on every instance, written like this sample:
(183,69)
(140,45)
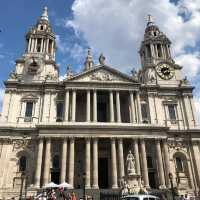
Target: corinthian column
(63,161)
(166,160)
(71,163)
(47,161)
(118,107)
(139,114)
(39,163)
(136,154)
(144,164)
(73,105)
(160,164)
(67,106)
(88,106)
(95,164)
(87,164)
(132,108)
(111,107)
(121,158)
(114,164)
(95,106)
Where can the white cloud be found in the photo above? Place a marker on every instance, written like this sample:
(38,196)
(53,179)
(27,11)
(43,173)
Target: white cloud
(61,45)
(191,63)
(116,27)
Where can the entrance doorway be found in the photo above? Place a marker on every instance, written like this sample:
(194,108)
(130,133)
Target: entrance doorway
(103,173)
(55,176)
(152,181)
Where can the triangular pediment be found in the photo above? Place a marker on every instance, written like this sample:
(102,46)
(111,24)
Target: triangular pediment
(102,73)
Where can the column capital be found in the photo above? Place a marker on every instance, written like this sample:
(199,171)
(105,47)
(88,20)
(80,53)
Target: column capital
(71,138)
(113,139)
(95,139)
(87,138)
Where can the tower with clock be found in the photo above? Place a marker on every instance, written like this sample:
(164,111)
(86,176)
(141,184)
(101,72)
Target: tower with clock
(38,61)
(158,66)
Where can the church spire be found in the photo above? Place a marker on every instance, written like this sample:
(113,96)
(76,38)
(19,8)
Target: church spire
(45,14)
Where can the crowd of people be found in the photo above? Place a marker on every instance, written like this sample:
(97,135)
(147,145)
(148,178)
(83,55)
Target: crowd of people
(55,194)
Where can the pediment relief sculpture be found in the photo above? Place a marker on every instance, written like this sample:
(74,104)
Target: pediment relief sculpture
(101,76)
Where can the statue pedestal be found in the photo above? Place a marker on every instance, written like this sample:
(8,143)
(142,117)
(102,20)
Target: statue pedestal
(133,181)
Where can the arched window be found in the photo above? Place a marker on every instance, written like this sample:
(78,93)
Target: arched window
(22,164)
(56,162)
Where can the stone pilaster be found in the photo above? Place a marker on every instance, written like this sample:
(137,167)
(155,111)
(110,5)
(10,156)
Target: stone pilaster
(196,153)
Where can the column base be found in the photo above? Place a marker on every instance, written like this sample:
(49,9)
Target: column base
(87,187)
(95,187)
(114,187)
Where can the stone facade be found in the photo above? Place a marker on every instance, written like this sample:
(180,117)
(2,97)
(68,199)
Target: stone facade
(57,131)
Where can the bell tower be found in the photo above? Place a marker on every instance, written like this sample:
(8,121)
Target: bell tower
(41,39)
(158,66)
(155,47)
(38,61)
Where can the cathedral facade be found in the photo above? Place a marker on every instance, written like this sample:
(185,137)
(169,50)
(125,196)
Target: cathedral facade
(81,129)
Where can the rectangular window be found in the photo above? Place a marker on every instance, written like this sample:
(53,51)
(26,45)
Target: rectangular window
(29,109)
(172,112)
(60,108)
(28,112)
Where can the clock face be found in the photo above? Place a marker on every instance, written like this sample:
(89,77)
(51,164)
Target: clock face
(33,66)
(165,71)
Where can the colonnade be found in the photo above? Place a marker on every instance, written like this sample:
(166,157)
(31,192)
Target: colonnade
(91,173)
(47,45)
(135,107)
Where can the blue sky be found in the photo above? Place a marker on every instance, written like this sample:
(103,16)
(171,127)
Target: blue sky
(113,27)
